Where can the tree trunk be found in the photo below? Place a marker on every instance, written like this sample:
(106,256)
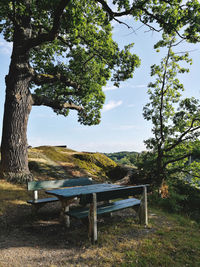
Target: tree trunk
(18,103)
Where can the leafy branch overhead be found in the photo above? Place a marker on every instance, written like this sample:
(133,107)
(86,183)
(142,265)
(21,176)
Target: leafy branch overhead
(70,47)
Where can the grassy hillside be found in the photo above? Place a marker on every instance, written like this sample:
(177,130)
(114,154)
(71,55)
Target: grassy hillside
(58,162)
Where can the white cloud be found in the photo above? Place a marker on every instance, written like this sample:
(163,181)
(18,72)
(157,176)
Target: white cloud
(111,105)
(5,47)
(109,88)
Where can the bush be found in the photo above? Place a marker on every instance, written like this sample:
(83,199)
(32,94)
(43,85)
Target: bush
(183,198)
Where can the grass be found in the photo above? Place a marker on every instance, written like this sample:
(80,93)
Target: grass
(11,195)
(171,240)
(57,162)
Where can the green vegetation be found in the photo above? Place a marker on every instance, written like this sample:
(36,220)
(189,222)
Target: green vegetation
(180,197)
(175,242)
(175,121)
(57,162)
(124,157)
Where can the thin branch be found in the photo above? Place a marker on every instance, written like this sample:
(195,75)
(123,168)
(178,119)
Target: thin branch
(121,22)
(180,139)
(160,20)
(177,159)
(150,27)
(111,13)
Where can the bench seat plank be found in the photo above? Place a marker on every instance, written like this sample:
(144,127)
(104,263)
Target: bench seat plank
(42,200)
(81,213)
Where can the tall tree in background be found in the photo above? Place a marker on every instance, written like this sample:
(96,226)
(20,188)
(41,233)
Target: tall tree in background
(176,121)
(63,54)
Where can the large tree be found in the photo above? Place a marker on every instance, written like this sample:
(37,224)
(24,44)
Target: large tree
(63,54)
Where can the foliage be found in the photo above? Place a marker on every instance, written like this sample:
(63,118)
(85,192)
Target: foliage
(176,121)
(123,157)
(182,198)
(70,50)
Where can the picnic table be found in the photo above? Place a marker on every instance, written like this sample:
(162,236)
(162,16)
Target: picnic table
(98,193)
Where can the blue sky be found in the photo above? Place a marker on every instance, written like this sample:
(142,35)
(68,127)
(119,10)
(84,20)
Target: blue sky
(122,125)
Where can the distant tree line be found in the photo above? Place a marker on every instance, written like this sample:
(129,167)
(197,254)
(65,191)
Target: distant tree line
(124,157)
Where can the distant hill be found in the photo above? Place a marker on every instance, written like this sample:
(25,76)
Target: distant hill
(50,162)
(124,157)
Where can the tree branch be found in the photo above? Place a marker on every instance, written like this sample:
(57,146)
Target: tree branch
(53,33)
(180,139)
(177,159)
(55,104)
(40,79)
(111,13)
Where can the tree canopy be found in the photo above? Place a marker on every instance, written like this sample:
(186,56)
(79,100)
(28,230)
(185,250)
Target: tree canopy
(71,51)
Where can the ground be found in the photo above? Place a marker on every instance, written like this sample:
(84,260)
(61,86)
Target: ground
(30,241)
(27,240)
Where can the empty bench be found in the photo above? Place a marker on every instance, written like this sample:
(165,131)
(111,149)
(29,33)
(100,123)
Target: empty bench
(36,186)
(97,209)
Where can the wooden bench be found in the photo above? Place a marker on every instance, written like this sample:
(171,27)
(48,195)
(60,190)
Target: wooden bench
(35,186)
(109,207)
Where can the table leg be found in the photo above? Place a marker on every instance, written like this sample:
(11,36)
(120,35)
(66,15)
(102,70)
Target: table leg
(93,219)
(65,207)
(143,212)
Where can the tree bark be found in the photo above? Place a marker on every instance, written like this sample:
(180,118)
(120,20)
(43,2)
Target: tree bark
(18,103)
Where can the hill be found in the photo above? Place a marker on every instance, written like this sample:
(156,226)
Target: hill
(58,162)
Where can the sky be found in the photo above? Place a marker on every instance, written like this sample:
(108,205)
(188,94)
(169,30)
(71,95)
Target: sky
(122,126)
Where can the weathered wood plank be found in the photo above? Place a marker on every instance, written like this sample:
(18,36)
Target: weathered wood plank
(42,200)
(39,185)
(81,213)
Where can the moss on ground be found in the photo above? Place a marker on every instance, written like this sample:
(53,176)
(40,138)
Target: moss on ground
(58,162)
(95,164)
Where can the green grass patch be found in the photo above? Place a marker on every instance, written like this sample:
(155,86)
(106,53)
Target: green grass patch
(170,240)
(95,164)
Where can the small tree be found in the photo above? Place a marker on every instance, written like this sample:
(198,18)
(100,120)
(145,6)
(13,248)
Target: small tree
(176,122)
